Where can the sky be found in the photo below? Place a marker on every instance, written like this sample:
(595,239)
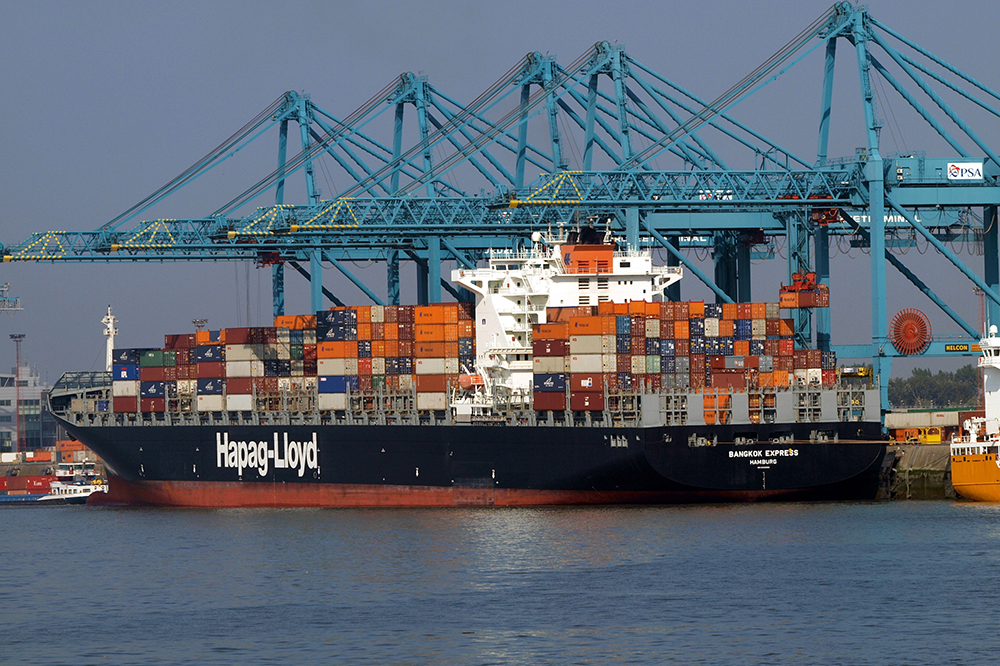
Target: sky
(106,101)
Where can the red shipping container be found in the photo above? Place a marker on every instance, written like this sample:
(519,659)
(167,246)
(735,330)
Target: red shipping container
(432,383)
(125,404)
(586,382)
(786,347)
(170,374)
(697,379)
(153,405)
(652,381)
(624,363)
(829,377)
(666,312)
(729,379)
(183,341)
(406,347)
(366,384)
(586,401)
(238,336)
(152,374)
(549,347)
(682,347)
(550,401)
(265,384)
(309,352)
(466,311)
(364,366)
(239,385)
(211,370)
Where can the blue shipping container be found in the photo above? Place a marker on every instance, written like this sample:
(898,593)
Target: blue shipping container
(152,389)
(125,373)
(213,386)
(550,383)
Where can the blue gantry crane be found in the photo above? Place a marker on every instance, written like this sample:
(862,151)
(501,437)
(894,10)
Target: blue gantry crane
(426,179)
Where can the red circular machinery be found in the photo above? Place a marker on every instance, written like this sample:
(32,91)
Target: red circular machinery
(910,331)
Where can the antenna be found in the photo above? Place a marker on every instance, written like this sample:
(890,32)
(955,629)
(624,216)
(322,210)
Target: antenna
(110,331)
(17,337)
(199,324)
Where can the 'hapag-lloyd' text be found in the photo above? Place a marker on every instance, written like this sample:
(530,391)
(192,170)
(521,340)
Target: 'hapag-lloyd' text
(257,455)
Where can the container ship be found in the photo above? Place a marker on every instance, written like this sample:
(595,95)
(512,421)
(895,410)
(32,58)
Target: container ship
(975,453)
(570,380)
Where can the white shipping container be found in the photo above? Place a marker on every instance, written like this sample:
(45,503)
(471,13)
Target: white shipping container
(238,368)
(186,386)
(310,383)
(609,363)
(450,366)
(378,365)
(244,352)
(548,365)
(378,314)
(210,403)
(269,352)
(609,344)
(284,350)
(337,401)
(428,366)
(652,328)
(711,327)
(405,382)
(758,327)
(772,311)
(124,389)
(10,457)
(586,363)
(432,401)
(638,365)
(309,336)
(238,402)
(801,376)
(284,335)
(814,375)
(330,367)
(586,344)
(350,366)
(284,384)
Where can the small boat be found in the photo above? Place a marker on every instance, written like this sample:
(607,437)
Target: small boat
(975,454)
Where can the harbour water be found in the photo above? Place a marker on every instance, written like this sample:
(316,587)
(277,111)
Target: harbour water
(838,583)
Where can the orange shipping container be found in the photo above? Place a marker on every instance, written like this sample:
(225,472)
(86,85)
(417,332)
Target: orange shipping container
(466,328)
(558,331)
(730,311)
(450,349)
(758,310)
(365,331)
(696,309)
(741,348)
(682,330)
(391,331)
(786,327)
(364,313)
(727,328)
(587,325)
(391,348)
(428,332)
(378,348)
(429,350)
(451,332)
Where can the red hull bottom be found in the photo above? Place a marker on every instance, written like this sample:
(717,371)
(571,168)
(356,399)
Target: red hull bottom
(205,494)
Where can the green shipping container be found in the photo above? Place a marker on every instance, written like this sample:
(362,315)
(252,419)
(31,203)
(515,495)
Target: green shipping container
(652,365)
(169,359)
(296,352)
(151,359)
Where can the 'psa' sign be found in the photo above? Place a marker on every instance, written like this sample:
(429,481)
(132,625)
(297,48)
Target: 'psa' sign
(965,170)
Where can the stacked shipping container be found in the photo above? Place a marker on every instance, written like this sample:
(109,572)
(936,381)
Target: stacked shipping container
(662,346)
(578,356)
(357,349)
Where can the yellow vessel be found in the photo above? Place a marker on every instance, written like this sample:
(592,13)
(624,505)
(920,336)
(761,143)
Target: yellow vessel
(975,455)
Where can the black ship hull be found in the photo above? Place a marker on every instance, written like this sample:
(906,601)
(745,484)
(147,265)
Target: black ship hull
(456,465)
